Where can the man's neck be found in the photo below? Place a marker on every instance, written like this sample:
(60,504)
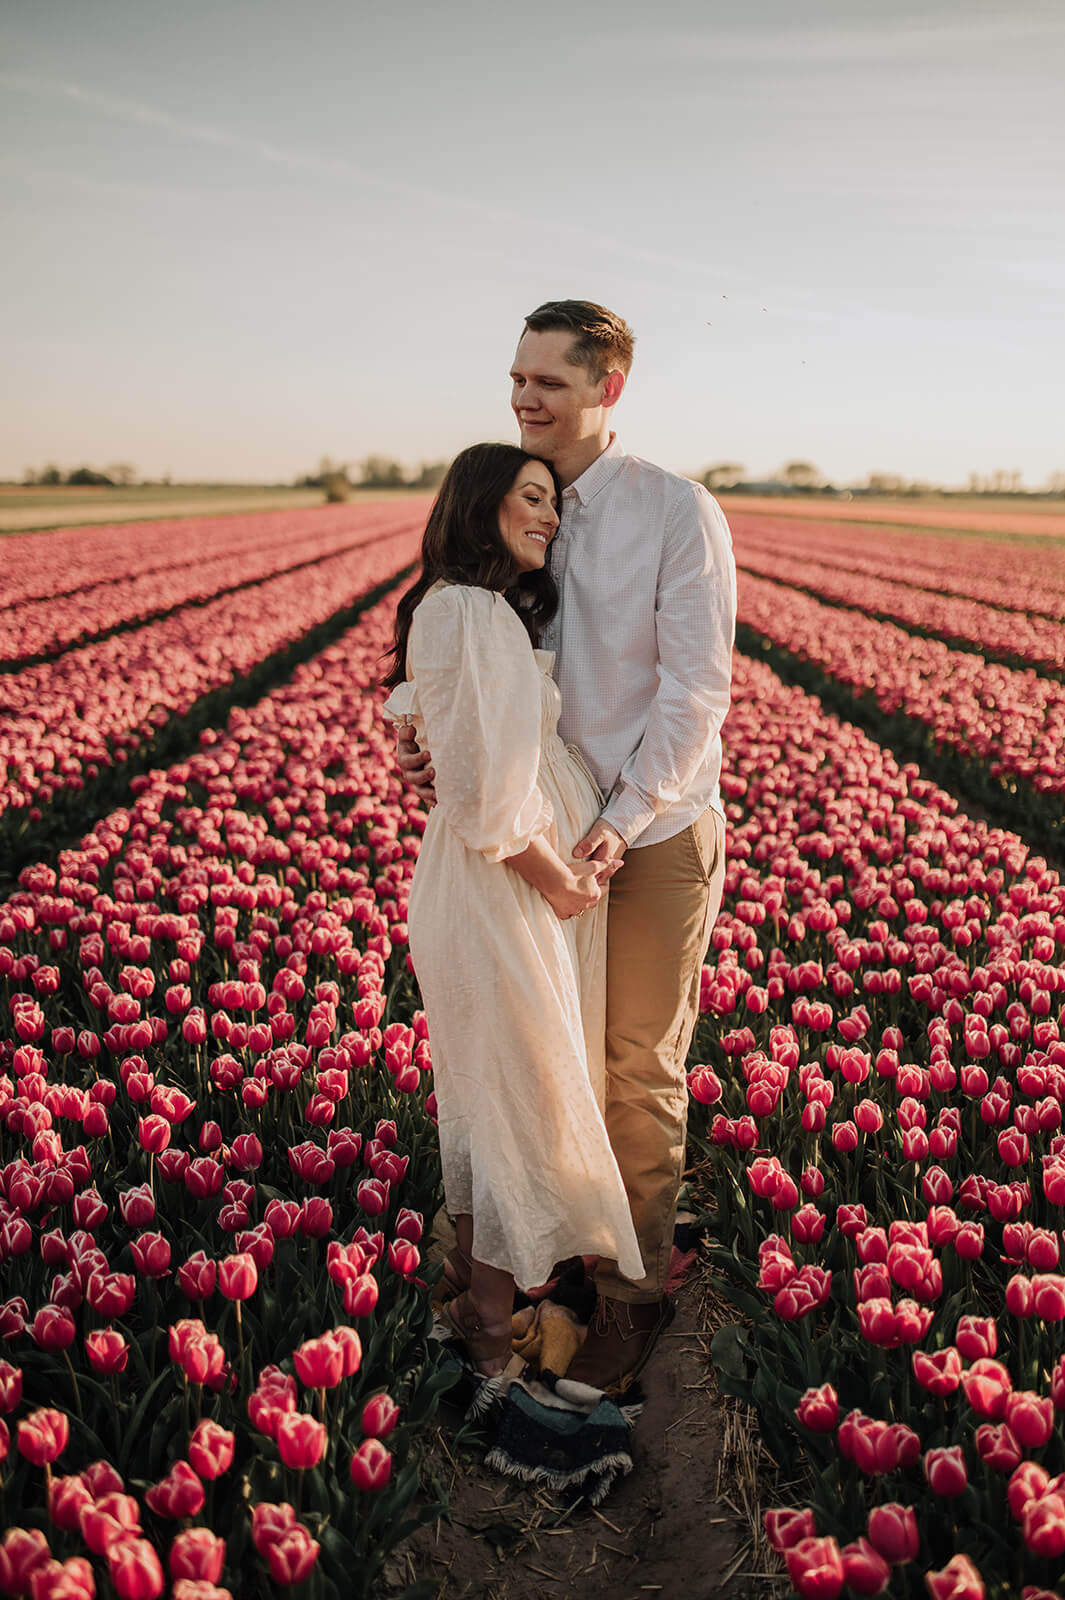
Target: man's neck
(570,466)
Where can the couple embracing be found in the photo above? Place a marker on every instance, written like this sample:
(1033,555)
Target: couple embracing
(560,676)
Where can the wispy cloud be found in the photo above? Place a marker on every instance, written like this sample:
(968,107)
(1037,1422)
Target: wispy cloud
(691,275)
(121,109)
(854,39)
(337,170)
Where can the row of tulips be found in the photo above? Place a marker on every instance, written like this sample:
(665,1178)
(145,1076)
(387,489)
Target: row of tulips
(1029,520)
(96,709)
(35,629)
(216,1162)
(878,1086)
(1012,637)
(949,563)
(994,732)
(56,564)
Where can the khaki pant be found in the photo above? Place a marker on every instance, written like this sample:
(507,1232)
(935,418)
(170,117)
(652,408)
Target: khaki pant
(663,904)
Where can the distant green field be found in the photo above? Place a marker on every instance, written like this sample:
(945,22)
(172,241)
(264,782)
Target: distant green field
(26,510)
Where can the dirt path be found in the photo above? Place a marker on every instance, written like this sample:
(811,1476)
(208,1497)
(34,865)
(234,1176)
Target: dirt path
(674,1527)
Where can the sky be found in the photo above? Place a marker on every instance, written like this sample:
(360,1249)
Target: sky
(241,235)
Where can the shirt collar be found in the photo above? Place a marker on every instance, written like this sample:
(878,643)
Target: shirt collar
(599,474)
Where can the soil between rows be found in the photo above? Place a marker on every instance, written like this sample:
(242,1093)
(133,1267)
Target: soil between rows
(675,1526)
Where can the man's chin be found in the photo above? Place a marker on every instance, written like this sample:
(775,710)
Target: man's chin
(536,440)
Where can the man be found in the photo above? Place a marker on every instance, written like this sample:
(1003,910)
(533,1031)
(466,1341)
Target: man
(643,640)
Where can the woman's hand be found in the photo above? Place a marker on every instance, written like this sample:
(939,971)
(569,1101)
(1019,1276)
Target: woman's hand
(416,765)
(587,880)
(569,888)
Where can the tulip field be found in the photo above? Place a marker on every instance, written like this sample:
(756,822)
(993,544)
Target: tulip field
(217,1156)
(880,1069)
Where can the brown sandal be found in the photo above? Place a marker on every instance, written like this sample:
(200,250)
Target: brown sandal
(484,1349)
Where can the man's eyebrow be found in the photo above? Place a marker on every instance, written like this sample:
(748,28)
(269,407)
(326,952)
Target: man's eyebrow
(549,377)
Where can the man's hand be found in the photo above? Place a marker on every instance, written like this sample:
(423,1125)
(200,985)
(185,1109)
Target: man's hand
(601,843)
(416,765)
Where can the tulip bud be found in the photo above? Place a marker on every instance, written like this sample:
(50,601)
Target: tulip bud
(238,1276)
(818,1409)
(151,1255)
(864,1569)
(976,1337)
(987,1386)
(815,1568)
(135,1570)
(371,1466)
(1029,1481)
(11,1387)
(360,1295)
(893,1532)
(379,1416)
(1030,1417)
(945,1471)
(197,1555)
(300,1440)
(998,1446)
(292,1556)
(210,1453)
(319,1363)
(180,1494)
(1043,1526)
(107,1350)
(137,1206)
(23,1552)
(42,1436)
(788,1526)
(53,1328)
(66,1498)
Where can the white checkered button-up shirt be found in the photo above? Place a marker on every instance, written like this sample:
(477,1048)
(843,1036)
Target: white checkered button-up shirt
(643,640)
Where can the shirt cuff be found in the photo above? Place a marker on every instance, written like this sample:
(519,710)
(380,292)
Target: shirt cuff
(629,813)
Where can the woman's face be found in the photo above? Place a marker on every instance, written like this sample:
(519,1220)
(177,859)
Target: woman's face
(528,516)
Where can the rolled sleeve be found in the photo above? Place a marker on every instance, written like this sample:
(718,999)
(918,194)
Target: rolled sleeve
(695,626)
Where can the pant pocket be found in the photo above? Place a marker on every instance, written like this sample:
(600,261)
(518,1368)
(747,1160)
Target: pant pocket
(703,835)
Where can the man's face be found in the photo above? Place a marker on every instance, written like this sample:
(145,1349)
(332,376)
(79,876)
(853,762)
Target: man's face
(557,405)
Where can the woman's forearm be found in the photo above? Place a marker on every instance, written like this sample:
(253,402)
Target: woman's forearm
(542,867)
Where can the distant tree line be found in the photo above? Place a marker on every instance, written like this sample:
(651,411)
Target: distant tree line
(802,477)
(375,472)
(120,476)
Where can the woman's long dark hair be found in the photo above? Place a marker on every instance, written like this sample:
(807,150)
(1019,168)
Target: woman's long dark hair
(462,544)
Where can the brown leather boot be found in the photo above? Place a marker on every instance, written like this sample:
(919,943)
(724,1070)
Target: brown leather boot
(620,1338)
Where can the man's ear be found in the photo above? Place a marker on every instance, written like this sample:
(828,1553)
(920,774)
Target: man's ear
(613,384)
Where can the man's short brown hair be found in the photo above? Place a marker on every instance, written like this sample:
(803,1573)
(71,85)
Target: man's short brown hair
(602,341)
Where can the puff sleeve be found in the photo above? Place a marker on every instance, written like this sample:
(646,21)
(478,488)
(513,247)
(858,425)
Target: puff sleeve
(477,690)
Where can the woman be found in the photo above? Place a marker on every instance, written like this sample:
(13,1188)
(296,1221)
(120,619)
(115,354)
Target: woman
(507,933)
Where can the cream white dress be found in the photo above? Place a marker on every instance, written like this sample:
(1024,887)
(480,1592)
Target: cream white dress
(515,999)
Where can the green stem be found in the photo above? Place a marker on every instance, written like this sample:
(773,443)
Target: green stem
(74,1381)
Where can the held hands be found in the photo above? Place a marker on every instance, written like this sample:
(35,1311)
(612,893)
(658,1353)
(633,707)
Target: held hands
(415,765)
(585,889)
(601,843)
